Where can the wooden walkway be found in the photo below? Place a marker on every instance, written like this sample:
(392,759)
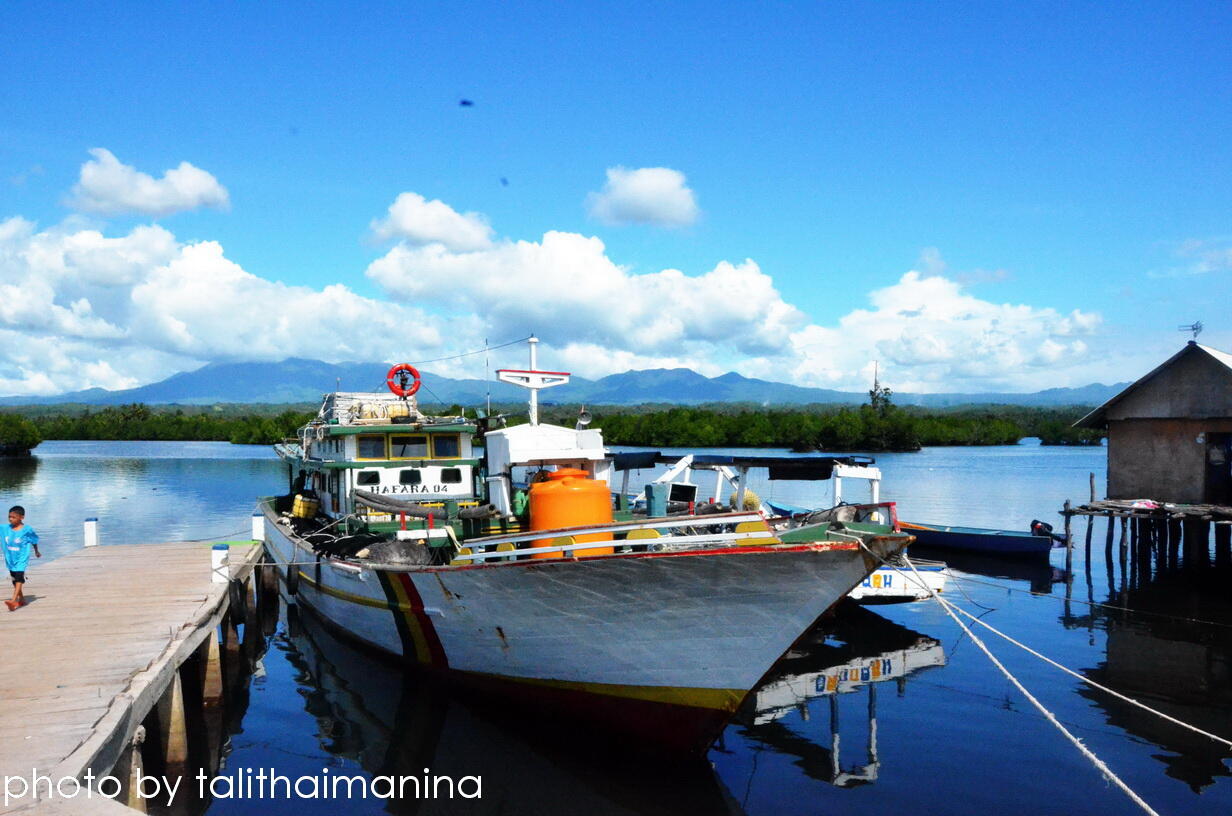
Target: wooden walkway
(104,632)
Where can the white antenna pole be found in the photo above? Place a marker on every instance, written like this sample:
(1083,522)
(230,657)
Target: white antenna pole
(487,377)
(533,378)
(534,392)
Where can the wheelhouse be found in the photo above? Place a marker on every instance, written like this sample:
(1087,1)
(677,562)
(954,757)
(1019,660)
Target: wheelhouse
(382,445)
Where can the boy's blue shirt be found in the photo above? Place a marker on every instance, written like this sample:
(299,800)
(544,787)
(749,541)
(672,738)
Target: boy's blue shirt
(17,545)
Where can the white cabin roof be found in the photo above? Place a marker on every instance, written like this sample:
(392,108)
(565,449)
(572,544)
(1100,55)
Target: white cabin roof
(527,444)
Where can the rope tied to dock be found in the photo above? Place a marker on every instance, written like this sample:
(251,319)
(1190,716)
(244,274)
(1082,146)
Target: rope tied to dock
(1103,768)
(1066,669)
(1163,615)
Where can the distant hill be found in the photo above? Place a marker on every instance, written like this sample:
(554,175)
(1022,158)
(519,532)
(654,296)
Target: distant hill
(297,380)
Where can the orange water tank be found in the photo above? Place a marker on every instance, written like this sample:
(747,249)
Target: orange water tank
(570,498)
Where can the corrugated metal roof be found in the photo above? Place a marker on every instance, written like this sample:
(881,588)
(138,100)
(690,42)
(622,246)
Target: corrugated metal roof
(1098,417)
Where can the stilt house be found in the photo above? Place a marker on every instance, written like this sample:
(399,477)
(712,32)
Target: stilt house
(1170,433)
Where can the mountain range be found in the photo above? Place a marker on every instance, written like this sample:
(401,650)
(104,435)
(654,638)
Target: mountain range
(296,380)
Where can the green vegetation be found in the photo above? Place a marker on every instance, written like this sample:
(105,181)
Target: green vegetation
(17,435)
(133,422)
(871,428)
(1056,432)
(877,426)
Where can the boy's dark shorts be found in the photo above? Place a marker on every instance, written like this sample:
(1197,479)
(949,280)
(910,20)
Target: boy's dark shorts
(18,577)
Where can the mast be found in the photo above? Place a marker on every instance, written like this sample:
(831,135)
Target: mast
(532,379)
(534,392)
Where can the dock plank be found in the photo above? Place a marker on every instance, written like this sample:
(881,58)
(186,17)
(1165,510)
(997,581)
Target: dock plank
(104,625)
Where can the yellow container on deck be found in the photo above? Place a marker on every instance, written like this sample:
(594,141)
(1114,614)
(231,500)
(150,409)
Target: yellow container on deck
(304,507)
(570,498)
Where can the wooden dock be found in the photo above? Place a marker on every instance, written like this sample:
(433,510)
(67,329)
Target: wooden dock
(100,648)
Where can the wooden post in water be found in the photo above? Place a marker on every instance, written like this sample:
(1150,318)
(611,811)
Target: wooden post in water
(1123,550)
(1092,486)
(1135,529)
(1144,552)
(172,729)
(212,697)
(1160,544)
(133,771)
(1196,543)
(1174,541)
(1223,544)
(1069,546)
(1087,556)
(1109,569)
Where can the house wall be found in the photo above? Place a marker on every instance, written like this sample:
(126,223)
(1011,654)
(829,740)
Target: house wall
(1159,458)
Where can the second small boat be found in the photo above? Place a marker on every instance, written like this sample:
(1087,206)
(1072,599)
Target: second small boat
(1006,543)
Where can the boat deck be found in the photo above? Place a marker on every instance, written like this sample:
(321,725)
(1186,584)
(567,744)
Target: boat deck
(103,629)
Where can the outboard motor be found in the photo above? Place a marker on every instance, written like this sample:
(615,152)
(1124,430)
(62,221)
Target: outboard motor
(1043,528)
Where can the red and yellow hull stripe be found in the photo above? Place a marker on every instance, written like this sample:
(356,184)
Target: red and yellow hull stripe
(420,642)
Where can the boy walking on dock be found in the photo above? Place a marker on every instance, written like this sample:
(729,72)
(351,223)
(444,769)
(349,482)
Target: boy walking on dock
(17,540)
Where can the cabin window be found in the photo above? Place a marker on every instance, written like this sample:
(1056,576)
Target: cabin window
(371,446)
(368,477)
(451,475)
(446,446)
(410,476)
(408,447)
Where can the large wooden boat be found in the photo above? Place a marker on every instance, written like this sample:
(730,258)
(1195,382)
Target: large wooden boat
(400,534)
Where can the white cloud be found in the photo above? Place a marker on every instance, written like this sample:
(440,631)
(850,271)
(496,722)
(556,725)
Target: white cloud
(1198,257)
(108,187)
(78,310)
(566,283)
(930,335)
(419,221)
(647,195)
(927,331)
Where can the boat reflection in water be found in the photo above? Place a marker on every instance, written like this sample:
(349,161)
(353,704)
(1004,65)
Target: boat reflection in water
(1169,660)
(1040,574)
(398,723)
(854,651)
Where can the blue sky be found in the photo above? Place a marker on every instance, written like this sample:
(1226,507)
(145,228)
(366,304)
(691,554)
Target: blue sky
(1013,196)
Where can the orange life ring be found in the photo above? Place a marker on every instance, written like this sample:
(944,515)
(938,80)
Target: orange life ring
(395,382)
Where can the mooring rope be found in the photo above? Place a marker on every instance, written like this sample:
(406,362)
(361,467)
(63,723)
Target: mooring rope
(1066,669)
(1107,772)
(1164,615)
(1091,682)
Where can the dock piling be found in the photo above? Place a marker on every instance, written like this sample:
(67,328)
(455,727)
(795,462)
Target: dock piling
(1069,544)
(172,729)
(1223,544)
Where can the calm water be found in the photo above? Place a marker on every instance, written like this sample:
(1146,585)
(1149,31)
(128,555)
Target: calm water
(951,735)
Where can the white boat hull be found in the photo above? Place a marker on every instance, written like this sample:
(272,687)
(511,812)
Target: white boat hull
(896,584)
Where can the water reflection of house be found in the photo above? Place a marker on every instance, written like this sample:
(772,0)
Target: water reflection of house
(1173,664)
(855,651)
(1170,433)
